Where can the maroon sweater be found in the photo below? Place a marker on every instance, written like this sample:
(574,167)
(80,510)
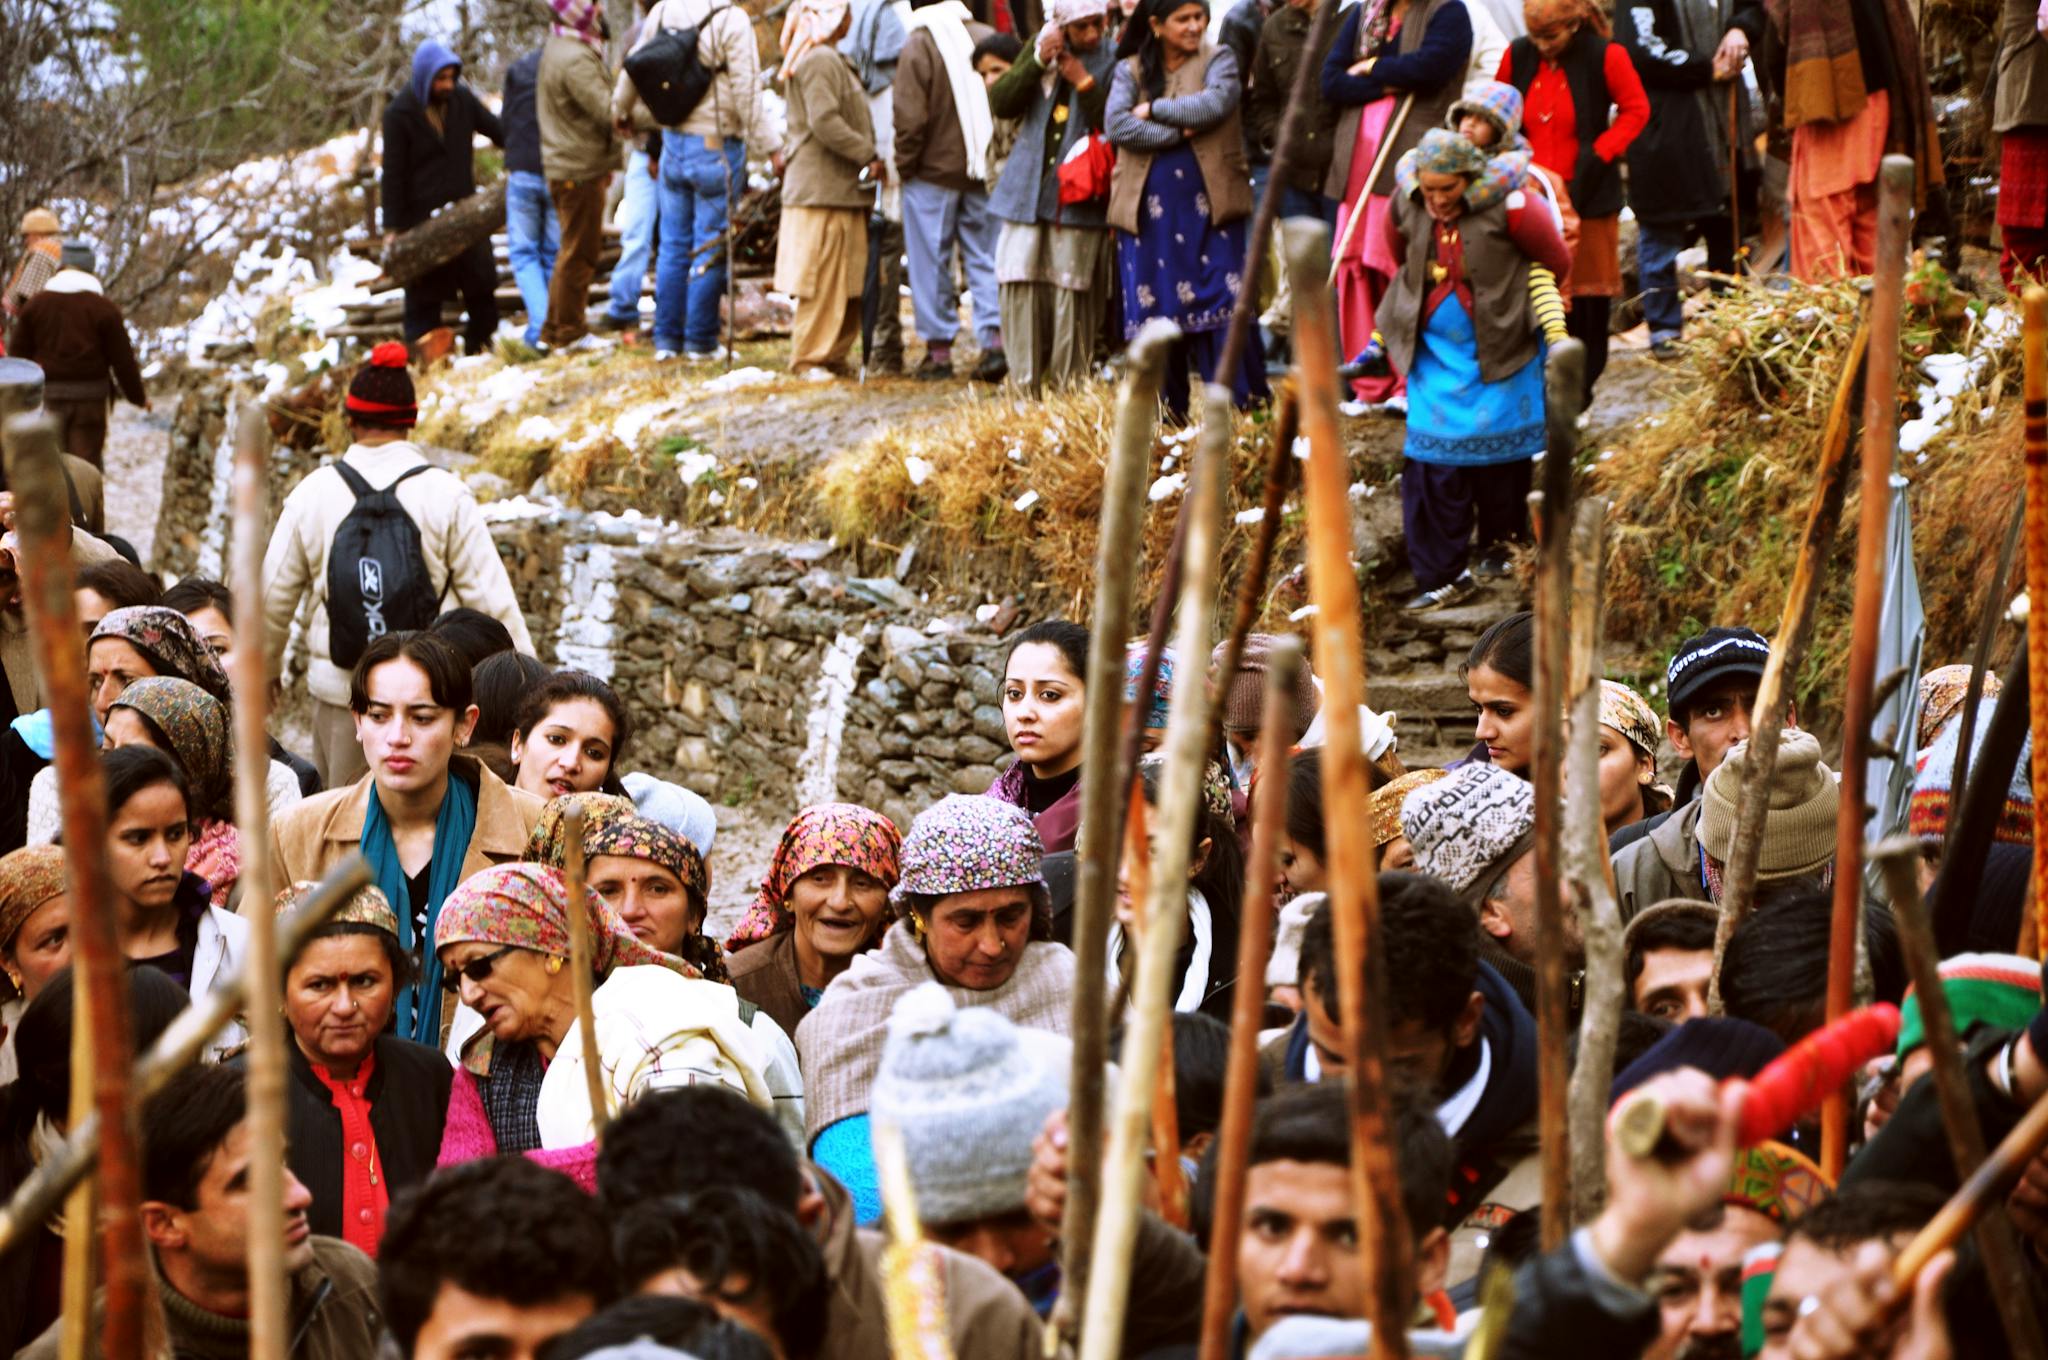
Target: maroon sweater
(78,338)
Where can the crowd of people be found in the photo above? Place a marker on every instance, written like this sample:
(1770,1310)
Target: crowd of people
(908,992)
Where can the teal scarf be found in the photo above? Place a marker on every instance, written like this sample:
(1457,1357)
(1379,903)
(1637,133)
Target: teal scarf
(419,1006)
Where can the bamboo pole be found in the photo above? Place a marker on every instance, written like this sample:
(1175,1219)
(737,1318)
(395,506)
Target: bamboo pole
(1588,872)
(81,1207)
(1985,1188)
(1251,589)
(1980,663)
(582,966)
(1167,1177)
(2005,1267)
(913,1291)
(176,1049)
(1372,179)
(1788,648)
(1116,562)
(1383,1234)
(1564,384)
(35,472)
(1180,793)
(269,1312)
(2035,349)
(1880,424)
(1247,1010)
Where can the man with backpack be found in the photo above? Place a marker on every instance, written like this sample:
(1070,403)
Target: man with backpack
(382,541)
(697,70)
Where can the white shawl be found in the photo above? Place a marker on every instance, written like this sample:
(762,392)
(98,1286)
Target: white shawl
(947,23)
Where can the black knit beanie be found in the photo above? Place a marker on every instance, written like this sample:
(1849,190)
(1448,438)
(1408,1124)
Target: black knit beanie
(380,394)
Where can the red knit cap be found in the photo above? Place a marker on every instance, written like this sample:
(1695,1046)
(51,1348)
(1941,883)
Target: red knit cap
(381,392)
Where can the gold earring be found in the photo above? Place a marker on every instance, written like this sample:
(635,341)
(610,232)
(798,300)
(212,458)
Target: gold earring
(15,978)
(554,965)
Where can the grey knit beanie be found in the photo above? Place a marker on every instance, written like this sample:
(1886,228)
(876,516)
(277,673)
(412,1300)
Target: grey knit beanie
(969,1091)
(1799,828)
(1463,826)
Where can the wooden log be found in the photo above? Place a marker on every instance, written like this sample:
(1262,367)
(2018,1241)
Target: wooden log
(442,237)
(1880,425)
(1384,1243)
(1116,560)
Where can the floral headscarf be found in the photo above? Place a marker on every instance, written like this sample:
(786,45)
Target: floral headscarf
(964,843)
(1162,684)
(29,877)
(195,726)
(1215,784)
(1628,713)
(827,833)
(368,907)
(639,838)
(526,906)
(168,639)
(549,845)
(1942,692)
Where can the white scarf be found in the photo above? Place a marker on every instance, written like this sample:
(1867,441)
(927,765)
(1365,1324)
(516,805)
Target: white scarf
(947,23)
(1194,984)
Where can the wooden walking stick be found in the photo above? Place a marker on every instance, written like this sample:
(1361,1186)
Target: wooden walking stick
(1383,1233)
(1735,173)
(582,964)
(1985,1189)
(913,1288)
(1171,1183)
(2035,348)
(1991,772)
(35,472)
(1980,662)
(1247,1007)
(269,1298)
(1788,648)
(2005,1265)
(1180,793)
(1551,509)
(1880,423)
(1116,564)
(1252,587)
(176,1049)
(1372,179)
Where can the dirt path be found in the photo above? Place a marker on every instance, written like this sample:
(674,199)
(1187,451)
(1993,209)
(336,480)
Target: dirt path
(136,445)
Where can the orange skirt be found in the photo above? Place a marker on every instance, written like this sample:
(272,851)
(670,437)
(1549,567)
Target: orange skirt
(1596,264)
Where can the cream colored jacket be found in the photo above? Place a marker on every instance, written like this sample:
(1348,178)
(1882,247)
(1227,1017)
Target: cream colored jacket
(462,562)
(725,44)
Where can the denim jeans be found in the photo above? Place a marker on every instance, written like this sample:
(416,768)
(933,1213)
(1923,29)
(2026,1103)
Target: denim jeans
(635,216)
(1657,250)
(1298,203)
(694,182)
(935,219)
(532,235)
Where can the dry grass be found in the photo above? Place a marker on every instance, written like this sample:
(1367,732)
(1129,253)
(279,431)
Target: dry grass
(1710,496)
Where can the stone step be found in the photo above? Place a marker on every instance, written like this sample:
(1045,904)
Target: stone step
(1430,693)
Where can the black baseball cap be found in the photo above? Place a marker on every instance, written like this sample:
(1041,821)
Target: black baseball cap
(1714,655)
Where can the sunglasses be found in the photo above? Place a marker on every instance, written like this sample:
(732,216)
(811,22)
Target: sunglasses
(476,970)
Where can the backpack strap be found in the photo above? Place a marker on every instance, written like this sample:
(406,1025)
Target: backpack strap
(356,481)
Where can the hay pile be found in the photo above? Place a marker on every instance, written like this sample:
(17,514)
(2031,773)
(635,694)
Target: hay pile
(1008,493)
(1710,497)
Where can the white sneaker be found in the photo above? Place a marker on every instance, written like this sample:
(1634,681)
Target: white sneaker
(820,375)
(1354,408)
(585,343)
(1396,405)
(708,356)
(662,356)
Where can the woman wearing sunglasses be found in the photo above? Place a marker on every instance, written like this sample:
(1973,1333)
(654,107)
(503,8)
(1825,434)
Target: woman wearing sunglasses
(503,945)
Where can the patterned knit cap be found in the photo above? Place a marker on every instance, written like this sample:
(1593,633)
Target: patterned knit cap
(1628,713)
(1444,152)
(964,843)
(29,877)
(825,833)
(1384,811)
(195,726)
(368,907)
(1465,828)
(548,843)
(1498,102)
(968,1091)
(526,906)
(1162,684)
(1244,698)
(2001,990)
(1943,692)
(1799,828)
(1776,1180)
(381,393)
(1928,810)
(170,642)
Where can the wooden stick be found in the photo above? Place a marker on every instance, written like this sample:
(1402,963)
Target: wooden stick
(1172,1185)
(81,1208)
(1788,648)
(1252,588)
(1383,1234)
(2006,1268)
(1980,665)
(583,967)
(2035,349)
(1247,1007)
(36,474)
(1116,562)
(176,1049)
(1991,772)
(1372,178)
(1551,508)
(913,1291)
(1180,794)
(1880,422)
(1986,1188)
(269,1297)
(1588,871)
(1735,173)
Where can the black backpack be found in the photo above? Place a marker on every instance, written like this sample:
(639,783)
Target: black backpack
(376,571)
(666,73)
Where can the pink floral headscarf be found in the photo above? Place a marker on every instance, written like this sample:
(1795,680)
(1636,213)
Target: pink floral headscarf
(827,833)
(526,905)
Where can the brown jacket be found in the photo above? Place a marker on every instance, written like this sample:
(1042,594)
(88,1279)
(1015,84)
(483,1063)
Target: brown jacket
(1428,111)
(319,833)
(1503,319)
(574,102)
(2022,76)
(929,143)
(1219,148)
(764,973)
(830,134)
(80,339)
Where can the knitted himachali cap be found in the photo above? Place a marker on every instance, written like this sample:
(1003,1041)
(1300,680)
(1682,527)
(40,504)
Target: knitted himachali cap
(1927,812)
(967,842)
(1943,692)
(1799,829)
(368,907)
(1464,826)
(2003,990)
(1384,811)
(1244,699)
(968,1091)
(1776,1180)
(381,392)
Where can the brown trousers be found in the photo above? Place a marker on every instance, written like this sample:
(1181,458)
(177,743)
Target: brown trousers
(81,427)
(579,205)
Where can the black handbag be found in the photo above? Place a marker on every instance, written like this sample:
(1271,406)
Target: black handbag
(667,75)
